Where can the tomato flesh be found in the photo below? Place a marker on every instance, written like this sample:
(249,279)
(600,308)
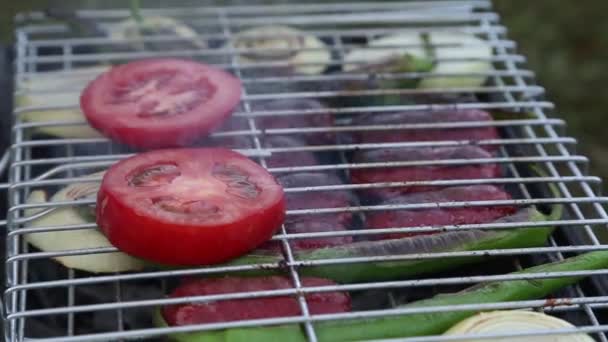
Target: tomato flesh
(254,308)
(160,102)
(189,206)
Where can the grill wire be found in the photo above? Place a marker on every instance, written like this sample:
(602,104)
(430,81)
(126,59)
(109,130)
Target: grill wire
(40,293)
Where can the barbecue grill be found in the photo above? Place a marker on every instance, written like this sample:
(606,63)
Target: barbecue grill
(45,301)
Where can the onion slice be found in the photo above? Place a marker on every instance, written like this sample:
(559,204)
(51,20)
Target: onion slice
(305,53)
(64,240)
(516,321)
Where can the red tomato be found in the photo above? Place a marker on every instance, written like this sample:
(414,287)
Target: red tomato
(189,206)
(160,102)
(252,308)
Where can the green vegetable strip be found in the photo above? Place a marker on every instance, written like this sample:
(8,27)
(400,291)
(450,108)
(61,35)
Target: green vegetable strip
(438,322)
(470,240)
(416,324)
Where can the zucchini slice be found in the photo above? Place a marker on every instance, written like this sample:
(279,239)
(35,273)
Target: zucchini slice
(305,53)
(451,45)
(131,32)
(76,239)
(473,54)
(57,89)
(400,45)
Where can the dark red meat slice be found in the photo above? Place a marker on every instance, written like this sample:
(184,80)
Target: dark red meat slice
(420,173)
(312,224)
(255,308)
(316,199)
(320,119)
(288,159)
(407,135)
(441,216)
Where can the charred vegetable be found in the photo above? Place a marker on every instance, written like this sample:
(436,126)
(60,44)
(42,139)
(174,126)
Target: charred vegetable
(301,52)
(65,240)
(453,241)
(419,324)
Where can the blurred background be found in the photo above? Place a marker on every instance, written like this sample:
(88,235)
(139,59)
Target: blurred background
(566,43)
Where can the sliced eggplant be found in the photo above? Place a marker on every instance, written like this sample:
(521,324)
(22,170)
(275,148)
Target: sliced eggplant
(305,53)
(132,32)
(419,49)
(57,89)
(65,240)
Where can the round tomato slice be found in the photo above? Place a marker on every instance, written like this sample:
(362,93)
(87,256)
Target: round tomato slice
(191,206)
(159,103)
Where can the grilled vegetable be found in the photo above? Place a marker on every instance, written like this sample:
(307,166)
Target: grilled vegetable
(441,216)
(316,199)
(310,200)
(189,206)
(472,134)
(304,53)
(253,308)
(132,32)
(437,323)
(57,89)
(300,118)
(516,321)
(469,240)
(157,103)
(311,224)
(443,46)
(75,239)
(288,159)
(421,324)
(419,173)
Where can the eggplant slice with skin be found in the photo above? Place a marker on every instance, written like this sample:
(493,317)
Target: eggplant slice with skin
(65,240)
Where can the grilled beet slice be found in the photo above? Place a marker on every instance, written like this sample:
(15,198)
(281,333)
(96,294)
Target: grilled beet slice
(441,216)
(424,134)
(420,173)
(254,308)
(288,159)
(322,118)
(311,224)
(316,199)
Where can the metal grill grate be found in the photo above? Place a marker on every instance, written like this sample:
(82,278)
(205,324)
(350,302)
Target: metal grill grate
(39,290)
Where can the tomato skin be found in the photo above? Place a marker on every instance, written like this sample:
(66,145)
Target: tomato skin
(121,123)
(181,242)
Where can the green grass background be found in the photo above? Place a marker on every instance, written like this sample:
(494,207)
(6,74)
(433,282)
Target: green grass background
(566,42)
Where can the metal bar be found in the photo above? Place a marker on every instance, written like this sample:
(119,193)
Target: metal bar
(330,22)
